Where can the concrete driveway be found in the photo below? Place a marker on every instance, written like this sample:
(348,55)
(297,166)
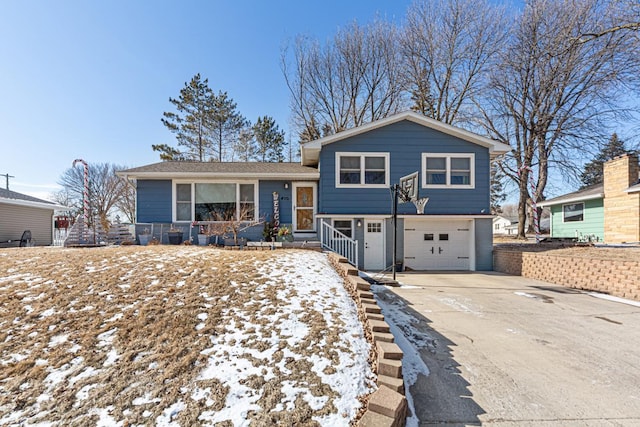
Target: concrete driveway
(511,351)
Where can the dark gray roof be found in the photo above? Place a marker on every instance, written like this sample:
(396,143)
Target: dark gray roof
(8,194)
(591,192)
(221,168)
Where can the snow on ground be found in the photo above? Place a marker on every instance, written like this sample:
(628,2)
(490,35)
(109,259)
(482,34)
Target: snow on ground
(403,327)
(177,336)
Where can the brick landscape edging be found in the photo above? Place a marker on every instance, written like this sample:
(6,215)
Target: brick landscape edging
(614,277)
(387,406)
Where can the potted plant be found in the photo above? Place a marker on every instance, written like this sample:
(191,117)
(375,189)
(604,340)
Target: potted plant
(204,234)
(144,237)
(175,236)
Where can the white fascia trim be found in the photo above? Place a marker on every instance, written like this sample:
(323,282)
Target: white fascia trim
(411,216)
(634,189)
(39,205)
(222,176)
(446,217)
(352,216)
(362,155)
(569,200)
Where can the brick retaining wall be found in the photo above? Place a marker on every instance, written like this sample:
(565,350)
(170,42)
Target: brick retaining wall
(614,277)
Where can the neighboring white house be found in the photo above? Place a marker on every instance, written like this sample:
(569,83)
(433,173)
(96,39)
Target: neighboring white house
(20,212)
(503,224)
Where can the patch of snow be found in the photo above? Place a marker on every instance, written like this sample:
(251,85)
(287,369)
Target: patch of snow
(410,341)
(115,317)
(106,338)
(167,416)
(48,312)
(56,340)
(83,393)
(144,400)
(524,294)
(460,306)
(86,373)
(112,357)
(614,299)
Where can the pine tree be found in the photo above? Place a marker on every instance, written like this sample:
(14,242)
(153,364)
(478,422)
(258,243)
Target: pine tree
(593,171)
(269,139)
(497,192)
(225,123)
(245,147)
(189,123)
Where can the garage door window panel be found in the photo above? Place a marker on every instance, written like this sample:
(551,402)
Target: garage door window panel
(450,170)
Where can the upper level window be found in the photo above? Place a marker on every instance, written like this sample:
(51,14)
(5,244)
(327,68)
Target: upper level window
(215,201)
(362,170)
(448,170)
(573,212)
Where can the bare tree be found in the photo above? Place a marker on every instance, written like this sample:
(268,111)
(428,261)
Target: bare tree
(127,202)
(552,93)
(352,80)
(105,189)
(448,47)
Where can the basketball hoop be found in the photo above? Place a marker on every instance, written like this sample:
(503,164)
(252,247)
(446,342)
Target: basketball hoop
(420,204)
(409,187)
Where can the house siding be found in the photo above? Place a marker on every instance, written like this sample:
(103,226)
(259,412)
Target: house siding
(265,195)
(14,220)
(484,244)
(593,223)
(405,141)
(153,202)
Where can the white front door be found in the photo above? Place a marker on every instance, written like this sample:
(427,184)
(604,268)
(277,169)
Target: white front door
(304,207)
(437,245)
(374,245)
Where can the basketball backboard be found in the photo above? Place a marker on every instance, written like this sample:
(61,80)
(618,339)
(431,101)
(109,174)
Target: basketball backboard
(409,187)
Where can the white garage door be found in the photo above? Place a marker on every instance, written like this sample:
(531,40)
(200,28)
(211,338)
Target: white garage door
(437,245)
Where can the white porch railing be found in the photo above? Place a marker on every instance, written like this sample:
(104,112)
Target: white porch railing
(335,241)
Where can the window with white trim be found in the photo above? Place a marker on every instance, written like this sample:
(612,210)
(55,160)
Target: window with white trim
(206,201)
(345,226)
(362,170)
(183,202)
(573,212)
(448,170)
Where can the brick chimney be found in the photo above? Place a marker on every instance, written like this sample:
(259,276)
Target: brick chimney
(621,209)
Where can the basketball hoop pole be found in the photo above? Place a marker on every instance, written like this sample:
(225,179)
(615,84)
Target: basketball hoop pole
(395,227)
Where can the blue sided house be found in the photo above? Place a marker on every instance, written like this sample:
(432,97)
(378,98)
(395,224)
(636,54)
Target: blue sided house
(340,194)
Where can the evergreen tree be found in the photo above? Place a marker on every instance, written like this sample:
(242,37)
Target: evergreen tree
(269,139)
(497,191)
(245,147)
(189,123)
(593,171)
(225,123)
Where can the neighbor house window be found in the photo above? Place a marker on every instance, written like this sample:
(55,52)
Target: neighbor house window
(215,201)
(362,170)
(573,212)
(344,226)
(448,170)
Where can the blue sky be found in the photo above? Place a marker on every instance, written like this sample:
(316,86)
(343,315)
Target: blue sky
(90,79)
